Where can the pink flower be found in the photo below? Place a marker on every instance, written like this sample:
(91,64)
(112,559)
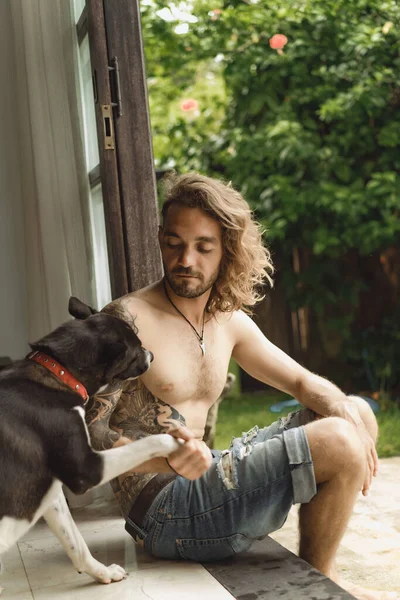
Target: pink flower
(189,105)
(215,14)
(278,41)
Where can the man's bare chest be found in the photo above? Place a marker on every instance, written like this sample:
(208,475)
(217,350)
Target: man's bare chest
(180,372)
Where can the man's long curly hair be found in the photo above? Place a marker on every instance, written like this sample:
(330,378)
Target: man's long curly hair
(246,263)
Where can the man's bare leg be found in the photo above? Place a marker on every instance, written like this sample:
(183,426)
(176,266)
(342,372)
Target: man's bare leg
(339,466)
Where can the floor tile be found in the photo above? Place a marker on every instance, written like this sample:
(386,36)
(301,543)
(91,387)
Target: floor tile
(13,578)
(47,564)
(179,581)
(17,596)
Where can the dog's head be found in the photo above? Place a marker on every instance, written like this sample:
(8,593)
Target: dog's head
(96,346)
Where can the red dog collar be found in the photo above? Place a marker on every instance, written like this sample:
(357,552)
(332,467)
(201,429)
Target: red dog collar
(60,372)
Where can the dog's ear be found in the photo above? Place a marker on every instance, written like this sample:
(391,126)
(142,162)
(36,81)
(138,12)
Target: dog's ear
(79,310)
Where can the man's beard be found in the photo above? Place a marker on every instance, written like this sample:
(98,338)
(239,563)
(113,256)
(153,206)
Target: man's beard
(183,288)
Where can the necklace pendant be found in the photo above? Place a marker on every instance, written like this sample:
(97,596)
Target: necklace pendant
(203,347)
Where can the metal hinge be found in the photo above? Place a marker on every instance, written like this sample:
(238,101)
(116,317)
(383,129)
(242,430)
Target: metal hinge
(106,109)
(117,85)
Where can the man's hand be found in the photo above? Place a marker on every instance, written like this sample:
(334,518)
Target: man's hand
(193,458)
(349,411)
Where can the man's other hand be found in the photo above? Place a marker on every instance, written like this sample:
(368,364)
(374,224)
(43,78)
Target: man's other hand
(351,413)
(193,458)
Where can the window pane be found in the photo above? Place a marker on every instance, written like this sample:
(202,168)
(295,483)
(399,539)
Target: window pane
(99,241)
(89,115)
(79,5)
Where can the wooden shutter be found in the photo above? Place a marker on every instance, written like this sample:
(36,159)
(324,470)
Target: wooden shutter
(126,157)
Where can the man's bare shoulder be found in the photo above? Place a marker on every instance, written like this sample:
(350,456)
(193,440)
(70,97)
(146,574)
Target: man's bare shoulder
(241,325)
(144,301)
(234,319)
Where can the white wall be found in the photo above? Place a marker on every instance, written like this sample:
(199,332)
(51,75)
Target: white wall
(13,313)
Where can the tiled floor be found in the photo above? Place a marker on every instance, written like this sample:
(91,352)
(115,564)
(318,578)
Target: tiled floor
(37,568)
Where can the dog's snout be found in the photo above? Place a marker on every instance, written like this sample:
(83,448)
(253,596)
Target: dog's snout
(151,356)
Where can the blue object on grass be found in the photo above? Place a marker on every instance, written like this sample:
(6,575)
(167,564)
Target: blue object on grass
(280,406)
(292,402)
(373,404)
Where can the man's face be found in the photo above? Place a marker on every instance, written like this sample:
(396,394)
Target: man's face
(191,248)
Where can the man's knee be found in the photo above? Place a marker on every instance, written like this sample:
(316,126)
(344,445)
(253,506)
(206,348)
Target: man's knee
(335,448)
(343,435)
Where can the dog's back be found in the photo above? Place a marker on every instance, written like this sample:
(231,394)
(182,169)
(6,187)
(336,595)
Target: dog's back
(31,432)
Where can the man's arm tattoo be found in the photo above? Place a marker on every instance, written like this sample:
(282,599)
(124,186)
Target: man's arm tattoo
(101,407)
(167,417)
(148,413)
(118,309)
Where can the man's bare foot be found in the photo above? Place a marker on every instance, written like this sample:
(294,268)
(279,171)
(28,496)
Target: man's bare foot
(362,594)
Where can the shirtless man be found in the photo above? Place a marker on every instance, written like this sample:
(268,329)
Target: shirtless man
(202,505)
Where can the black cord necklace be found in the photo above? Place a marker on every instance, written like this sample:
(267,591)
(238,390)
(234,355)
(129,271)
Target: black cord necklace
(200,337)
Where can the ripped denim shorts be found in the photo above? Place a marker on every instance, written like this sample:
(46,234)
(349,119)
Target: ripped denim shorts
(245,495)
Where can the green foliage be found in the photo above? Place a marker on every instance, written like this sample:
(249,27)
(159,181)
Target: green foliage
(389,427)
(380,351)
(310,133)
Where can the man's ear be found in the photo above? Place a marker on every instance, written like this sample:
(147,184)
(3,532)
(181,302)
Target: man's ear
(79,309)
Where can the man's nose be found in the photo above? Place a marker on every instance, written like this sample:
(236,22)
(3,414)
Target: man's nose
(186,257)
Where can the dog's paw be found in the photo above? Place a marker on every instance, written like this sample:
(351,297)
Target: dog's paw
(109,574)
(165,444)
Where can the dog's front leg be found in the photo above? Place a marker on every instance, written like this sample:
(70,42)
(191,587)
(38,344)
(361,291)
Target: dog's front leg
(61,523)
(119,460)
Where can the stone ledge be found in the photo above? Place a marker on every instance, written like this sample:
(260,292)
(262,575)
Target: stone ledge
(269,571)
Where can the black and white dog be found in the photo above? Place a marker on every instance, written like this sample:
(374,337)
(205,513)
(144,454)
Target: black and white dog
(44,441)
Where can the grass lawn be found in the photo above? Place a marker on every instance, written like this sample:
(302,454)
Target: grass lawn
(240,414)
